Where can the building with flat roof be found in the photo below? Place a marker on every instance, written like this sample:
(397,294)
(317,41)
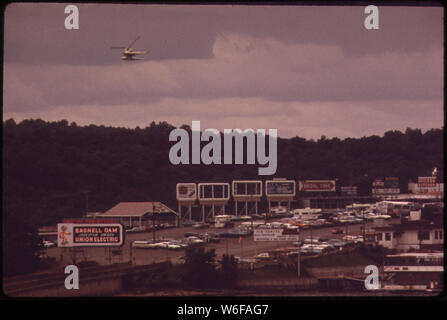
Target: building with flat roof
(408,235)
(420,230)
(139,214)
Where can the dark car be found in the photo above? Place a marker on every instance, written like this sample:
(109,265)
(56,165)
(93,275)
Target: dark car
(214,239)
(337,231)
(192,234)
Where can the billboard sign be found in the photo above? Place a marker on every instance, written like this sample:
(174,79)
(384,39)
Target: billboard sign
(426,182)
(280,188)
(212,192)
(186,192)
(378,183)
(390,185)
(317,185)
(392,182)
(273,235)
(90,235)
(382,191)
(428,185)
(247,189)
(349,190)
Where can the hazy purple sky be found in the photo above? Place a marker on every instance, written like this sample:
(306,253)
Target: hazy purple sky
(305,70)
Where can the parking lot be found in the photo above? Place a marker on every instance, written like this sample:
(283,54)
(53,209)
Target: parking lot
(244,247)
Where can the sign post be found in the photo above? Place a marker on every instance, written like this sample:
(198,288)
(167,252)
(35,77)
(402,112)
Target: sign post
(280,190)
(247,192)
(186,196)
(212,194)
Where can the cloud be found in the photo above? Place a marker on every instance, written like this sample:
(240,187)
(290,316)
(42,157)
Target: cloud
(302,89)
(291,118)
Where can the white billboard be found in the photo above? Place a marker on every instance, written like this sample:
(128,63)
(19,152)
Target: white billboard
(215,191)
(274,234)
(246,189)
(380,191)
(280,188)
(186,192)
(317,185)
(90,235)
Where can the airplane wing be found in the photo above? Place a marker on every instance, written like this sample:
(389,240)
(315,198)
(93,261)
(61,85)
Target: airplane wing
(139,52)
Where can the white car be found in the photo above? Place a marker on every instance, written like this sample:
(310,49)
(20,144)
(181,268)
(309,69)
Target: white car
(383,216)
(162,245)
(311,248)
(349,238)
(311,241)
(48,244)
(263,256)
(174,246)
(325,245)
(194,240)
(142,244)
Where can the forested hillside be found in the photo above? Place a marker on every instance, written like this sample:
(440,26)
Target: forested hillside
(48,167)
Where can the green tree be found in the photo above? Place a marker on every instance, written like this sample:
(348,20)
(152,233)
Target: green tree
(200,267)
(22,247)
(229,272)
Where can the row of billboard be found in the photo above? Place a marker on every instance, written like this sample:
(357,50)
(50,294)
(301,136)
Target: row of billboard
(389,185)
(249,189)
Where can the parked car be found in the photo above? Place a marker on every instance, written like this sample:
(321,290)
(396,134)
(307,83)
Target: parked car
(311,249)
(174,246)
(194,240)
(337,231)
(293,253)
(48,244)
(144,244)
(326,245)
(201,225)
(191,234)
(311,241)
(338,243)
(349,238)
(263,256)
(211,237)
(179,243)
(298,243)
(136,229)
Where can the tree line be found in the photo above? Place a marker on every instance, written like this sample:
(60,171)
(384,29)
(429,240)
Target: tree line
(53,170)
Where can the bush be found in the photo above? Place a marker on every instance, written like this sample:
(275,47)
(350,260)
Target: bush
(200,268)
(228,271)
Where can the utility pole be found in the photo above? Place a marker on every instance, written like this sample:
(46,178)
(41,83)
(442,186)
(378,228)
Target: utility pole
(131,253)
(364,225)
(299,253)
(153,226)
